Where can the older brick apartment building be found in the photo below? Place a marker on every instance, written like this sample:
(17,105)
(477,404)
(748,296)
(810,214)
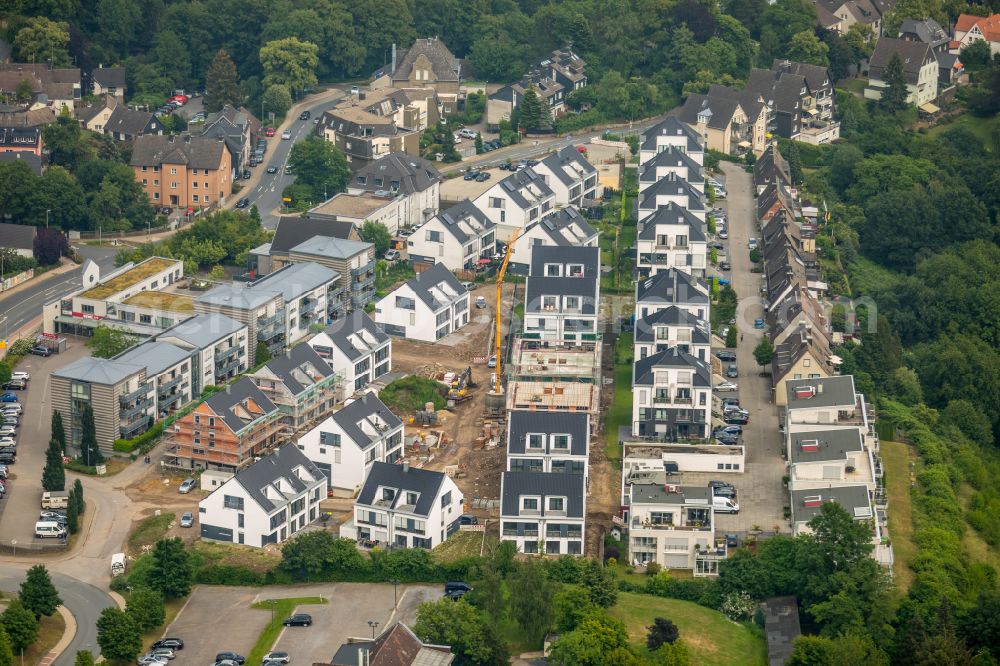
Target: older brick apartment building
(187,171)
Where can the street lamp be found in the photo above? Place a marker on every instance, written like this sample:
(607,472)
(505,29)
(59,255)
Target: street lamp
(47,211)
(395,583)
(373,624)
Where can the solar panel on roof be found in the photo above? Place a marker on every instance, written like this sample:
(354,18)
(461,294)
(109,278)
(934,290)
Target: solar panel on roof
(507,185)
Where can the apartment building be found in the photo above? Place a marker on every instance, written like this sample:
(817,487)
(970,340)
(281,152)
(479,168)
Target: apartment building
(119,393)
(428,307)
(427,62)
(722,122)
(549,443)
(671,133)
(301,384)
(543,512)
(218,345)
(516,201)
(671,237)
(412,180)
(183,170)
(671,287)
(460,238)
(674,526)
(227,431)
(352,439)
(829,401)
(265,503)
(801,355)
(564,227)
(672,328)
(291,232)
(670,189)
(21,140)
(352,260)
(672,396)
(562,296)
(356,349)
(829,457)
(672,160)
(168,370)
(404,507)
(920,68)
(570,177)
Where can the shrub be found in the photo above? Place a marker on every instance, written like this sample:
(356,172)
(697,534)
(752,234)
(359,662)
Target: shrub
(227,574)
(143,442)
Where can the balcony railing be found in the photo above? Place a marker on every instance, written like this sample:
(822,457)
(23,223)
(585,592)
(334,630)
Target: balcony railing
(270,333)
(167,385)
(224,368)
(265,322)
(140,407)
(525,533)
(138,393)
(168,400)
(221,353)
(132,427)
(645,525)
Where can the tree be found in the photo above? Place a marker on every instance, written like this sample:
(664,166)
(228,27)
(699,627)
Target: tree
(806,47)
(479,143)
(895,93)
(489,596)
(72,514)
(497,58)
(90,451)
(662,631)
(533,114)
(731,337)
(313,554)
(24,91)
(83,658)
(53,475)
(118,635)
(531,600)
(764,352)
(377,234)
(43,41)
(277,100)
(68,144)
(171,572)
(794,162)
(572,605)
(6,651)
(290,62)
(263,354)
(38,594)
(319,165)
(472,638)
(222,85)
(145,607)
(107,342)
(21,625)
(672,654)
(81,506)
(50,245)
(595,642)
(217,272)
(600,584)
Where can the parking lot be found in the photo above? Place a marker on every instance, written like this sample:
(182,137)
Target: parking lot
(19,510)
(456,189)
(221,618)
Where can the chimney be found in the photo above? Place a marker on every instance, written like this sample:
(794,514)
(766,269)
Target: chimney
(406,467)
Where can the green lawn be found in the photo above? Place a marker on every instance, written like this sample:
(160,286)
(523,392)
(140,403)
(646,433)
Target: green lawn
(149,531)
(856,86)
(710,636)
(282,609)
(896,457)
(981,127)
(459,545)
(620,412)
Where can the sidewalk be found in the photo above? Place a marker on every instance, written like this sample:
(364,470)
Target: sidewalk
(68,634)
(66,266)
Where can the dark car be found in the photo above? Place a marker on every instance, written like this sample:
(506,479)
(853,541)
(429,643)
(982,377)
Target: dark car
(246,174)
(305,115)
(505,166)
(727,439)
(272,169)
(732,541)
(231,656)
(470,175)
(243,203)
(737,418)
(172,643)
(732,372)
(456,589)
(41,351)
(298,620)
(716,245)
(725,355)
(466,519)
(15,385)
(482,177)
(166,210)
(725,266)
(724,491)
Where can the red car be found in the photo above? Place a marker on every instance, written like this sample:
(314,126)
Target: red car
(269,131)
(181,99)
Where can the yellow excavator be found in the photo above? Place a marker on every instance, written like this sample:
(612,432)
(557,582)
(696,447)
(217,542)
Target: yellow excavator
(497,384)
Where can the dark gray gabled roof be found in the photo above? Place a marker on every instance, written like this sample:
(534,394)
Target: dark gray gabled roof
(558,161)
(367,408)
(672,358)
(671,286)
(517,183)
(445,65)
(130,122)
(816,75)
(292,231)
(34,163)
(356,335)
(675,215)
(17,236)
(927,31)
(195,152)
(299,369)
(586,287)
(431,278)
(229,404)
(565,227)
(672,126)
(576,425)
(719,111)
(671,157)
(515,485)
(411,173)
(402,479)
(267,472)
(590,257)
(464,214)
(671,185)
(912,54)
(109,76)
(672,316)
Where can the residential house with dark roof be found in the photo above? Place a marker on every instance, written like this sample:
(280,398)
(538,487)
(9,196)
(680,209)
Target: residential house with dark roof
(856,500)
(802,355)
(500,105)
(218,345)
(671,132)
(461,238)
(404,507)
(293,231)
(672,327)
(671,237)
(928,31)
(265,503)
(920,69)
(302,385)
(970,28)
(570,177)
(428,63)
(396,646)
(672,160)
(118,392)
(563,296)
(428,307)
(564,227)
(228,431)
(240,131)
(769,168)
(722,122)
(670,189)
(797,307)
(800,99)
(355,348)
(412,179)
(516,201)
(354,263)
(349,441)
(21,140)
(672,396)
(18,237)
(168,369)
(839,15)
(111,117)
(828,458)
(52,88)
(673,526)
(186,171)
(543,512)
(108,81)
(757,111)
(34,162)
(565,68)
(553,443)
(671,287)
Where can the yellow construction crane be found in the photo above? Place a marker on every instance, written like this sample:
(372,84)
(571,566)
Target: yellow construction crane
(497,386)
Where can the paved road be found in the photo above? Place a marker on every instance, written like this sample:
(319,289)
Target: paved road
(85,602)
(18,309)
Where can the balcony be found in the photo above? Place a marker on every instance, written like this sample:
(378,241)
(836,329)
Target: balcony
(166,402)
(266,322)
(646,525)
(221,353)
(225,368)
(361,283)
(524,533)
(270,333)
(140,408)
(167,385)
(133,427)
(140,392)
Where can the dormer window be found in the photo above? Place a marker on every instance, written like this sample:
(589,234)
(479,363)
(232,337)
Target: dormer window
(553,270)
(535,441)
(388,494)
(574,270)
(560,442)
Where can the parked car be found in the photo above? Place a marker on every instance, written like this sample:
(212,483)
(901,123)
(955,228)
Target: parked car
(187,519)
(724,491)
(277,657)
(231,656)
(752,243)
(738,418)
(163,652)
(456,589)
(299,620)
(15,385)
(269,131)
(482,176)
(8,397)
(187,486)
(729,403)
(355,90)
(467,519)
(480,302)
(391,255)
(174,643)
(305,115)
(13,408)
(727,440)
(150,659)
(725,266)
(470,175)
(727,386)
(243,203)
(725,355)
(20,375)
(732,541)
(732,372)
(723,234)
(246,174)
(758,324)
(41,351)
(56,516)
(469,286)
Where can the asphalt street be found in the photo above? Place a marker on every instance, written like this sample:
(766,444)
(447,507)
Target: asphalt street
(18,309)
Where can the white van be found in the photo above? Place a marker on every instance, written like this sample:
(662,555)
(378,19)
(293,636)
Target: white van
(56,499)
(724,505)
(117,564)
(49,528)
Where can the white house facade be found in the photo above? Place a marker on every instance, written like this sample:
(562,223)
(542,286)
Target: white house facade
(516,201)
(543,513)
(356,348)
(428,307)
(460,238)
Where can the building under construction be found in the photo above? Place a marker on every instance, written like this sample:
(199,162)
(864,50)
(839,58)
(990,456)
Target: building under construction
(551,376)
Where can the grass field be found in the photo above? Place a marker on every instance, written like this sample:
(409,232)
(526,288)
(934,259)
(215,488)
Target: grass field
(458,546)
(981,127)
(710,636)
(976,547)
(620,411)
(896,456)
(856,86)
(149,531)
(254,559)
(412,393)
(282,608)
(50,630)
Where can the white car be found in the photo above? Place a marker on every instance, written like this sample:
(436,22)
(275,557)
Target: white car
(458,138)
(276,658)
(727,386)
(20,375)
(467,133)
(286,135)
(723,235)
(753,243)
